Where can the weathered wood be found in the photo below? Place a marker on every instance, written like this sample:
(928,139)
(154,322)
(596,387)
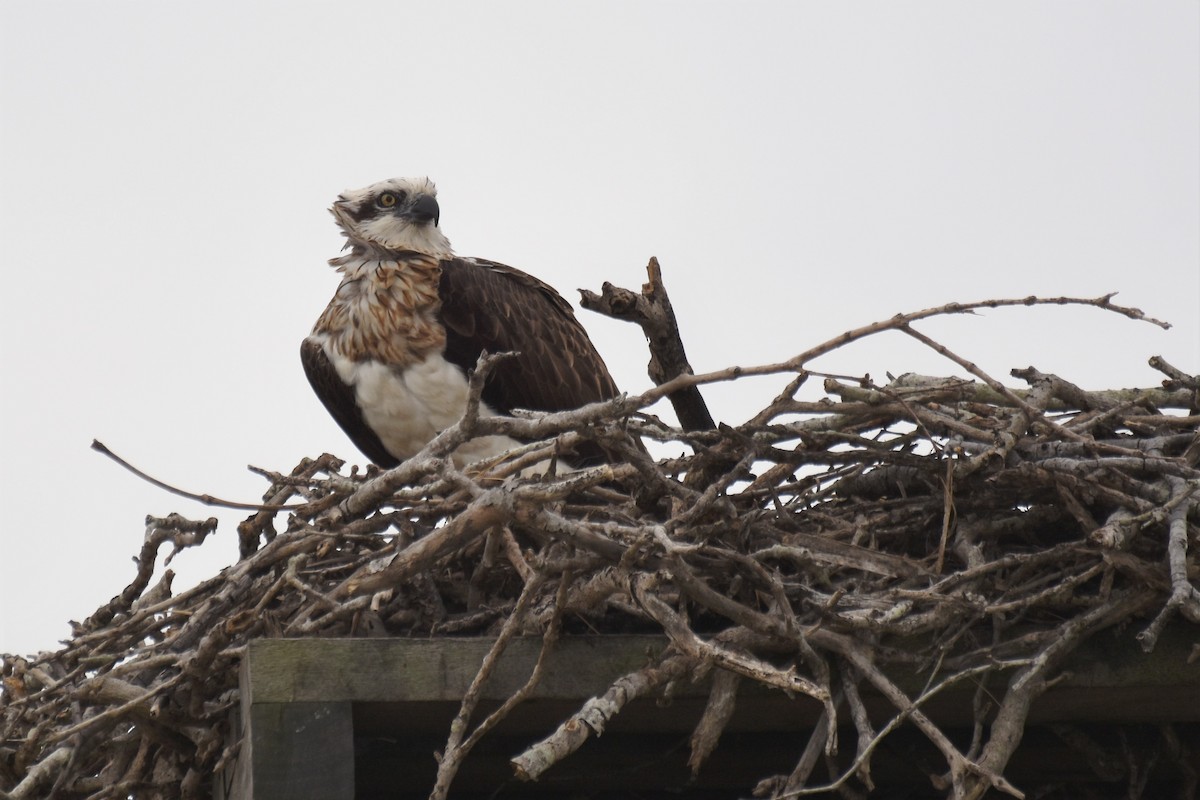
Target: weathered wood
(1135,687)
(399,670)
(291,750)
(331,717)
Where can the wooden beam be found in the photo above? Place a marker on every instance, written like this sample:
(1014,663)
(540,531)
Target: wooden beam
(1136,687)
(400,670)
(306,701)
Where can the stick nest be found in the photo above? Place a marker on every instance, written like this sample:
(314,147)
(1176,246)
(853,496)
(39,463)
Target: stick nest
(953,527)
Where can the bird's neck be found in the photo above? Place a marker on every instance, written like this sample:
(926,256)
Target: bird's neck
(385,309)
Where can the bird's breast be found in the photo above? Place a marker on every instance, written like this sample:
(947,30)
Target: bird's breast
(386,312)
(407,406)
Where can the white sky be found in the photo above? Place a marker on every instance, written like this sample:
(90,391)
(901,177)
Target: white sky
(798,168)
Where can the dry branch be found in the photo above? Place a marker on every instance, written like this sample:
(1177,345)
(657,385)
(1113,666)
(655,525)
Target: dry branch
(651,309)
(595,714)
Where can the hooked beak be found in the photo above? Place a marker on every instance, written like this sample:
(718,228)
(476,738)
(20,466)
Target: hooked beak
(424,209)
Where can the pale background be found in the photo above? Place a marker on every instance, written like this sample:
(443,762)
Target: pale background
(799,169)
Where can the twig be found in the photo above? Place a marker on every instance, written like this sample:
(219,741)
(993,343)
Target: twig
(206,499)
(1185,598)
(722,698)
(688,642)
(593,717)
(456,749)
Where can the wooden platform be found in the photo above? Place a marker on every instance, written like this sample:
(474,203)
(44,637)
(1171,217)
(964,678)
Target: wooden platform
(335,719)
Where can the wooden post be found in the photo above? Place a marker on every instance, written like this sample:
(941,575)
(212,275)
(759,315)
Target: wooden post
(290,750)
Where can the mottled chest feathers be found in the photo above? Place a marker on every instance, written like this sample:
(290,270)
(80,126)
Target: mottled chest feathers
(385,310)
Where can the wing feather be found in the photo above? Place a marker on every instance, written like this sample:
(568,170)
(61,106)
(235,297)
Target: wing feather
(494,307)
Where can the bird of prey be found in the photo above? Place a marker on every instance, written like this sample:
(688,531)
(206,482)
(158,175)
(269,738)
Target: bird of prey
(390,356)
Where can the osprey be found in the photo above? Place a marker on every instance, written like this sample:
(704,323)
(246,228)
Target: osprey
(390,356)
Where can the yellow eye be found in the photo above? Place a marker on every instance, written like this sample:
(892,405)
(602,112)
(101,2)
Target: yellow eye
(387,200)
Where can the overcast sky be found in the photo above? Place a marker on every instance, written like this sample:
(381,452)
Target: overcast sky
(798,168)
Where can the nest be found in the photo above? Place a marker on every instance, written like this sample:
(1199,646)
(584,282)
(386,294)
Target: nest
(956,528)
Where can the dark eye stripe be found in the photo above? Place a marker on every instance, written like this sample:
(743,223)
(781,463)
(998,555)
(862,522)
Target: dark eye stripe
(370,208)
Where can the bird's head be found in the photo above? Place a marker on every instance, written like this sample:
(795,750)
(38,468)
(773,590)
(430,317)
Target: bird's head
(392,216)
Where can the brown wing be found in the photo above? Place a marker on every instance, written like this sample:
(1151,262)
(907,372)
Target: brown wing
(338,399)
(493,307)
